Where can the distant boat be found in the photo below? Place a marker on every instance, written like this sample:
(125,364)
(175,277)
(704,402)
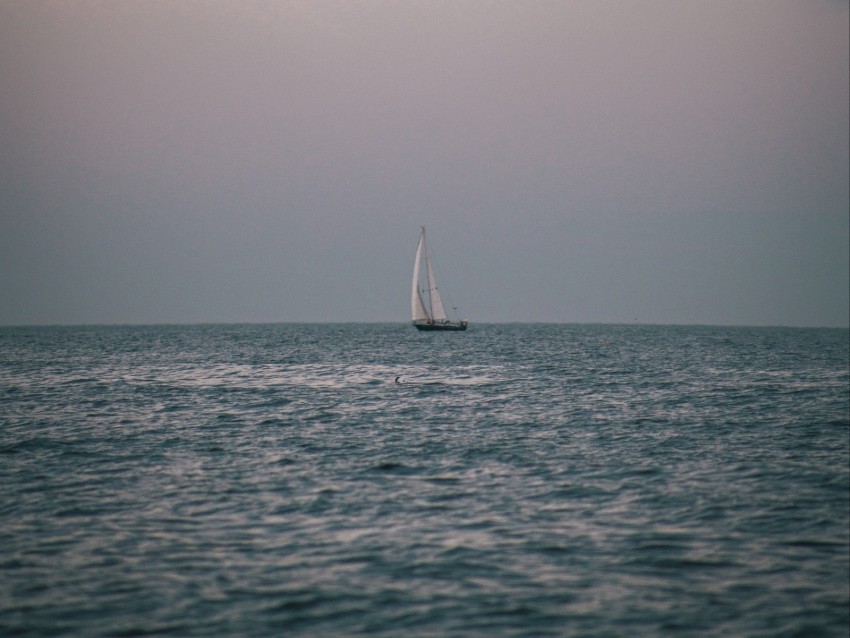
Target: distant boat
(426,306)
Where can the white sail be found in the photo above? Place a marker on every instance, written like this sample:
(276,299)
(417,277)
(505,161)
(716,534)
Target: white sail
(417,305)
(438,313)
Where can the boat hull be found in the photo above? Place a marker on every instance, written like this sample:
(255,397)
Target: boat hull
(449,326)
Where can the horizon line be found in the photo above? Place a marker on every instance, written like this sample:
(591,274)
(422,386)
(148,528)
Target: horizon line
(472,324)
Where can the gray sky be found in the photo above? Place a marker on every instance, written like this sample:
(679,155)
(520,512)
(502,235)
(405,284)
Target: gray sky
(661,161)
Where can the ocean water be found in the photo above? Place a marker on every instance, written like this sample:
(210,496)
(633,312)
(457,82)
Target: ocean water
(520,480)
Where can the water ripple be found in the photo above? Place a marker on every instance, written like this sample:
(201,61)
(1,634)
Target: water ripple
(518,481)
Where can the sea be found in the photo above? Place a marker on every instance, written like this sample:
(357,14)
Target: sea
(371,480)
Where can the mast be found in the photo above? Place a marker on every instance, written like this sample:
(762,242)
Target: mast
(438,313)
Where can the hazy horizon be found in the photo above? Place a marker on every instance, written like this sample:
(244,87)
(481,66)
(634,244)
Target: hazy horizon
(577,162)
(408,323)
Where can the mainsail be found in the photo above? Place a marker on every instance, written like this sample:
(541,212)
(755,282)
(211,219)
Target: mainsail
(417,304)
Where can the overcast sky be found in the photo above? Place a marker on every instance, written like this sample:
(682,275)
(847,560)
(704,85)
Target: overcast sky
(661,161)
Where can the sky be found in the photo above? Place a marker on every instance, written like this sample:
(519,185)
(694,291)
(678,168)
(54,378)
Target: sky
(589,161)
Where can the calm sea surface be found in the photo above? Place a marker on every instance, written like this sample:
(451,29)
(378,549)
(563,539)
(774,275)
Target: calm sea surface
(522,480)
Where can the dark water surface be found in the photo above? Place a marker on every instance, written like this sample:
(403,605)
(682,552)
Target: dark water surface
(524,480)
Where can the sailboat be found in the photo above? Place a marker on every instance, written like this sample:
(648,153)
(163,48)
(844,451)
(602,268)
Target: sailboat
(426,306)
